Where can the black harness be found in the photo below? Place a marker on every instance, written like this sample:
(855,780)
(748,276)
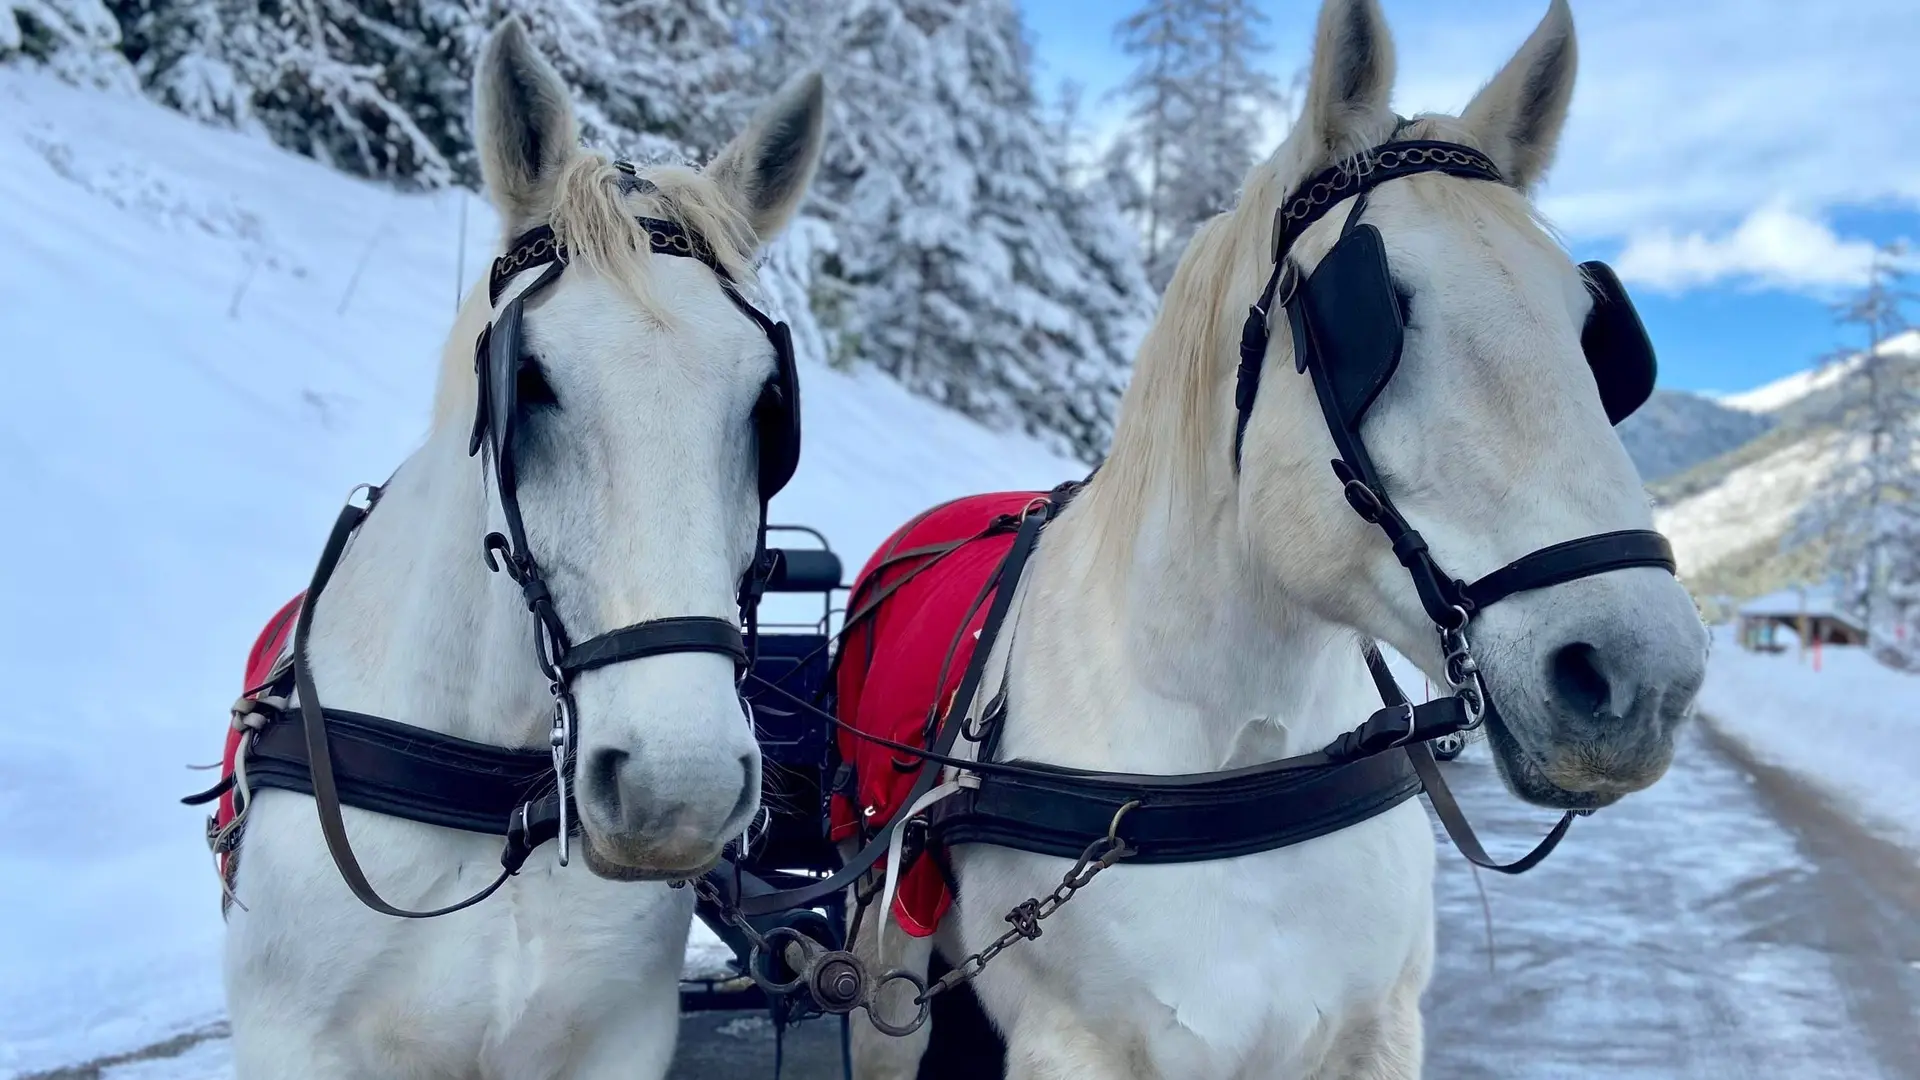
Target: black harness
(1348,331)
(345,758)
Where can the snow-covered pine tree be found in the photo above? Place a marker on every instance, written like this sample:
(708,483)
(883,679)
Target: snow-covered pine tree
(1161,34)
(1201,105)
(79,40)
(1870,517)
(965,262)
(382,88)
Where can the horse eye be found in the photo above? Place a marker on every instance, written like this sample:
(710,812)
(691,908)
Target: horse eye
(532,389)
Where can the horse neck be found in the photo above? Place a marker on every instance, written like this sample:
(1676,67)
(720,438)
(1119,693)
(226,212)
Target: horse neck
(1178,664)
(414,628)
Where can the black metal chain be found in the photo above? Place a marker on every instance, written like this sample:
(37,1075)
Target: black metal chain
(1026,916)
(838,982)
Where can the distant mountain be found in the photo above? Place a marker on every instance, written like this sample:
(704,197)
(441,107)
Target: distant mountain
(1674,431)
(1729,516)
(1820,393)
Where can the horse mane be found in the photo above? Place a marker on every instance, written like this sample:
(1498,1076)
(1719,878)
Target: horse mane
(593,216)
(1174,428)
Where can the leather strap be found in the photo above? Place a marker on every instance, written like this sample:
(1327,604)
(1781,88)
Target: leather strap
(1006,578)
(680,633)
(1445,806)
(1460,830)
(1175,818)
(1572,560)
(326,789)
(405,772)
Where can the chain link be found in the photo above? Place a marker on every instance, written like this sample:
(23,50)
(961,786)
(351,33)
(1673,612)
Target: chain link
(1027,915)
(1463,674)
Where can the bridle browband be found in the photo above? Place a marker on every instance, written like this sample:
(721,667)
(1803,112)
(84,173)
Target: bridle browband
(1449,602)
(497,360)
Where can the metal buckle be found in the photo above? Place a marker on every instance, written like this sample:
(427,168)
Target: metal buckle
(1406,736)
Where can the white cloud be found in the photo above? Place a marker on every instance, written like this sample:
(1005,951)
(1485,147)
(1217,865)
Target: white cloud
(1687,116)
(1773,247)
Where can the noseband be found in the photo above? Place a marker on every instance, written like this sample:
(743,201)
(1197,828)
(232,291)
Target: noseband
(1347,329)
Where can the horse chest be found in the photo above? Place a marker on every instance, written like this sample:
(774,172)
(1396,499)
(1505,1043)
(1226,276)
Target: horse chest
(1215,968)
(557,955)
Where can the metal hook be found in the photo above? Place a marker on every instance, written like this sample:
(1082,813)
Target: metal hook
(1113,827)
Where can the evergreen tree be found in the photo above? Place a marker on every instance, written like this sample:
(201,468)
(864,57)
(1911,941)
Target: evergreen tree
(965,262)
(1199,110)
(77,39)
(946,242)
(382,88)
(1870,517)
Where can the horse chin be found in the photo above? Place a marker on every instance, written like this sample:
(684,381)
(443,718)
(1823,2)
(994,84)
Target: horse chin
(1528,776)
(604,867)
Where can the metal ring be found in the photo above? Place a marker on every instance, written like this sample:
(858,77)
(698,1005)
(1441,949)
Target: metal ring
(920,999)
(770,943)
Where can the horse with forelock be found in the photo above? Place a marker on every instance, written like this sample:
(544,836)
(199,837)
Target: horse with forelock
(1202,603)
(619,408)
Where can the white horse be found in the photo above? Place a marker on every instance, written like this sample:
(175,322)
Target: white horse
(638,486)
(1179,618)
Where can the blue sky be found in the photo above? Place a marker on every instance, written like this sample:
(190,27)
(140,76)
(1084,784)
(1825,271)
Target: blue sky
(1734,159)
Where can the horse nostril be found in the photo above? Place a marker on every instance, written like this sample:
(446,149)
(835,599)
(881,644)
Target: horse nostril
(603,775)
(1578,680)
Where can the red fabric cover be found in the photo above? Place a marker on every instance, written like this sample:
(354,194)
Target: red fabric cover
(266,651)
(890,674)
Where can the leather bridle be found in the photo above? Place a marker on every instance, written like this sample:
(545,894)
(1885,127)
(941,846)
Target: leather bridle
(1359,273)
(497,362)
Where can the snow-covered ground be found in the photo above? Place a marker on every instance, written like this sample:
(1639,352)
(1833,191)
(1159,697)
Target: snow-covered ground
(1850,729)
(209,342)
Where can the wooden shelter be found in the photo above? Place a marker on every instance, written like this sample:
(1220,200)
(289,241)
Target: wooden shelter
(1811,613)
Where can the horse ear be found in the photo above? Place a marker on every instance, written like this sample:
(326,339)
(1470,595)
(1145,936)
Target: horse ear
(524,126)
(1518,116)
(1352,75)
(766,168)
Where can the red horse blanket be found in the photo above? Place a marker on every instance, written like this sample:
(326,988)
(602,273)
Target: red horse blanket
(896,677)
(266,652)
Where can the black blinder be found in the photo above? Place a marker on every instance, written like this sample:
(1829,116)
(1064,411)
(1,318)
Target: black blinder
(1355,319)
(776,416)
(497,365)
(1616,343)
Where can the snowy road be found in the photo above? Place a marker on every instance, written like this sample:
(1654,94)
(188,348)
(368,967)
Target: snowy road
(1723,925)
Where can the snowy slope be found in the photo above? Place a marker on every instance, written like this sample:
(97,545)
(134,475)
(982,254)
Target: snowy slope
(1816,388)
(1732,518)
(1754,503)
(1788,389)
(209,342)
